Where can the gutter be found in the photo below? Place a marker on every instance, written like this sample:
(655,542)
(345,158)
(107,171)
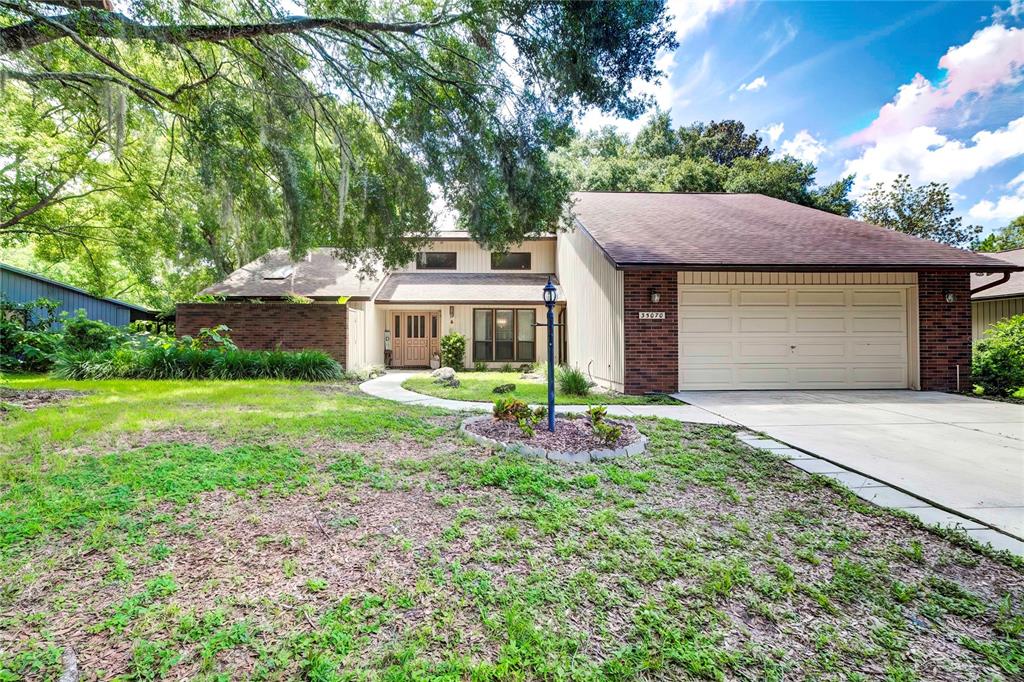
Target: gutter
(1003,280)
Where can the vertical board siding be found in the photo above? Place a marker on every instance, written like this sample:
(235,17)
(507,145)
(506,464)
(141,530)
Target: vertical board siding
(22,289)
(472,258)
(593,289)
(985,313)
(784,278)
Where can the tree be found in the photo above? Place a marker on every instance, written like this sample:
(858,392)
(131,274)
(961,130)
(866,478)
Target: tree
(713,157)
(924,211)
(1003,239)
(239,126)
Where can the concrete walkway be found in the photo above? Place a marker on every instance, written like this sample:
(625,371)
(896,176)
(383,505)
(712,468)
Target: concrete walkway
(389,387)
(960,454)
(849,439)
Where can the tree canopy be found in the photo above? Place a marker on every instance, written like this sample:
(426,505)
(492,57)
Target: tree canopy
(170,143)
(720,156)
(1005,238)
(923,211)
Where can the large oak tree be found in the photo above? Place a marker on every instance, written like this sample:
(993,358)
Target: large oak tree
(183,136)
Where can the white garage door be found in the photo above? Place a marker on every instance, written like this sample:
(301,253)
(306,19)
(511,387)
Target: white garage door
(784,337)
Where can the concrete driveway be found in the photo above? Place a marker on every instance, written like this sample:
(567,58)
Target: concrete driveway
(962,453)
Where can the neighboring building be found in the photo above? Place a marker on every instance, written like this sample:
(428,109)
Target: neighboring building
(657,292)
(21,286)
(1006,299)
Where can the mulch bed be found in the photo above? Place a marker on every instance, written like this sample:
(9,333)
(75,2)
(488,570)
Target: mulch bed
(35,398)
(570,435)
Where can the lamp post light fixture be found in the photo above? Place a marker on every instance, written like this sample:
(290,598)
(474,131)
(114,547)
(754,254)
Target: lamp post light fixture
(655,296)
(550,296)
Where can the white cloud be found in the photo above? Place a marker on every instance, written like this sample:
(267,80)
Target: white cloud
(690,16)
(754,85)
(992,59)
(929,156)
(1012,11)
(772,132)
(803,146)
(1006,208)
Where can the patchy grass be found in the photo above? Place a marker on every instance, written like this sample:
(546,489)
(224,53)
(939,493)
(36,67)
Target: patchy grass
(273,530)
(479,387)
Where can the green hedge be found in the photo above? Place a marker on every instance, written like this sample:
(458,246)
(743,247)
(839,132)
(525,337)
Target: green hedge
(998,366)
(183,362)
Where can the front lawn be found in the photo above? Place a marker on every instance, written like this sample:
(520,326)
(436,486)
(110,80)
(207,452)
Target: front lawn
(479,387)
(278,530)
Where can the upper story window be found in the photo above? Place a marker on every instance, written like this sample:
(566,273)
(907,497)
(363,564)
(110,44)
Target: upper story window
(283,272)
(511,261)
(435,260)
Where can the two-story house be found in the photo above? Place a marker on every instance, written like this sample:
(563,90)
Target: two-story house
(657,292)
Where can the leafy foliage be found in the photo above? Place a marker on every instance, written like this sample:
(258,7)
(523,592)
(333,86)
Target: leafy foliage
(1005,238)
(924,211)
(82,334)
(26,342)
(608,433)
(572,381)
(168,143)
(998,365)
(515,410)
(453,350)
(719,156)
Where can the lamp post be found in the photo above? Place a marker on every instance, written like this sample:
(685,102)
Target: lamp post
(550,295)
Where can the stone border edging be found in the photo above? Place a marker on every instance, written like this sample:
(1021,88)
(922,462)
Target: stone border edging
(582,457)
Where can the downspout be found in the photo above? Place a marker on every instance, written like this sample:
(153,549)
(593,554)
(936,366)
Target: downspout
(983,287)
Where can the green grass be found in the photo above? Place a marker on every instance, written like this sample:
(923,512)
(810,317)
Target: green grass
(479,387)
(274,530)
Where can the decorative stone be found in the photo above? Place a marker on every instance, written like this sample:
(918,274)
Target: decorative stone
(569,457)
(504,388)
(443,373)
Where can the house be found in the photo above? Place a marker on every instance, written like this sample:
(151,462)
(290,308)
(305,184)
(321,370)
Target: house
(21,286)
(657,292)
(997,298)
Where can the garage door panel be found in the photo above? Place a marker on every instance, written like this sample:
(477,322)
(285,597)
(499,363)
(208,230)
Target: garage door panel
(778,337)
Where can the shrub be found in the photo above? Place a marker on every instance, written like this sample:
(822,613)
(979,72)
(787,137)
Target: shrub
(608,433)
(479,366)
(998,365)
(298,298)
(515,410)
(83,334)
(453,350)
(26,342)
(572,381)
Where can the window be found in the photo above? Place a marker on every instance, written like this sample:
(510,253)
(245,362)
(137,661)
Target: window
(398,326)
(510,261)
(435,260)
(504,335)
(283,272)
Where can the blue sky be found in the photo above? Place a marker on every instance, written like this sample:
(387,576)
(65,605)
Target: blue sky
(935,90)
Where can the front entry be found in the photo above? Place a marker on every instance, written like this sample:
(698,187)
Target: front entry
(415,337)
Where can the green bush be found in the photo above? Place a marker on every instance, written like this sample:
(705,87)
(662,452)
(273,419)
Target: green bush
(453,350)
(83,334)
(26,342)
(572,381)
(998,366)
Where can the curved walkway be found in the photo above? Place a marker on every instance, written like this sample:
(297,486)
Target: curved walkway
(389,387)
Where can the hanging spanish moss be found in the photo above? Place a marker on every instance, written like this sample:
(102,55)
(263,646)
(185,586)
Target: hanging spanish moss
(344,161)
(115,107)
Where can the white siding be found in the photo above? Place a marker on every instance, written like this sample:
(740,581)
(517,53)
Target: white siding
(593,290)
(472,258)
(984,313)
(365,340)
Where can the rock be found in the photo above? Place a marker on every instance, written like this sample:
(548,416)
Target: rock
(443,374)
(504,388)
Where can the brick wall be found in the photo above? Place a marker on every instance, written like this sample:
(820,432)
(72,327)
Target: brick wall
(266,326)
(945,330)
(651,347)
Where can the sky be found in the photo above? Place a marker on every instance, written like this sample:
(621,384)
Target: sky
(932,89)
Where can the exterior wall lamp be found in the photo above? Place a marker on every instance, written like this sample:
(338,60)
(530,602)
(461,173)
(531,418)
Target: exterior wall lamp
(949,296)
(655,296)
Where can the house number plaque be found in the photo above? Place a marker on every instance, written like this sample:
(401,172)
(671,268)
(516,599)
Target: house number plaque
(652,315)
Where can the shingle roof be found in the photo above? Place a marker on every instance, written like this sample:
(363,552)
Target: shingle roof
(752,231)
(318,275)
(463,287)
(1014,287)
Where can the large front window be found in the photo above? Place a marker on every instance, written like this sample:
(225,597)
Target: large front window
(504,335)
(436,260)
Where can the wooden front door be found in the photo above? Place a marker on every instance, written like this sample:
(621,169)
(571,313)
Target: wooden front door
(415,338)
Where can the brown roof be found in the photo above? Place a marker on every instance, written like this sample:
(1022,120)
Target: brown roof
(753,232)
(318,275)
(1014,287)
(463,287)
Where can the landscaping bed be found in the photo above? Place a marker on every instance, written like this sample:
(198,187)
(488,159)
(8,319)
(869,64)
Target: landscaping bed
(570,435)
(277,530)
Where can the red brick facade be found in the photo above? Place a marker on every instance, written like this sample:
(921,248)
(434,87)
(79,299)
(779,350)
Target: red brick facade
(266,326)
(651,347)
(945,329)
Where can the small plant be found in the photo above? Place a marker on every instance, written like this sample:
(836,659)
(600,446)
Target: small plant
(453,350)
(480,366)
(507,368)
(515,410)
(298,298)
(608,433)
(597,413)
(316,585)
(572,381)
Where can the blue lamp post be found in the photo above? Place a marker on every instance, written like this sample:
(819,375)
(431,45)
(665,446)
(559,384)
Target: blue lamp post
(550,295)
